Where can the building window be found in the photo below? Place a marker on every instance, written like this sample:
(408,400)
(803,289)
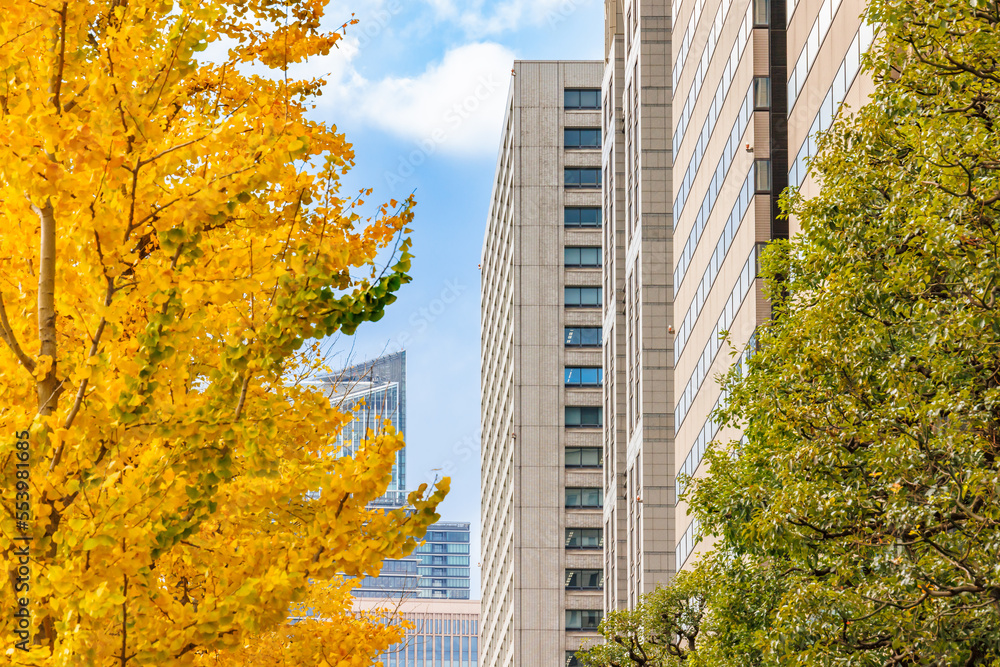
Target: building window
(761,93)
(584,337)
(582,216)
(582,177)
(583,297)
(582,98)
(578,376)
(585,538)
(582,137)
(577,257)
(587,497)
(584,417)
(761,13)
(762,175)
(583,457)
(584,579)
(583,619)
(571,659)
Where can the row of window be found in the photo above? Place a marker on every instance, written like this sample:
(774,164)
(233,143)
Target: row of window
(584,337)
(583,376)
(733,222)
(583,457)
(798,74)
(582,257)
(583,619)
(582,137)
(582,216)
(582,417)
(583,297)
(831,103)
(578,178)
(726,161)
(584,579)
(585,497)
(700,372)
(721,91)
(582,98)
(584,538)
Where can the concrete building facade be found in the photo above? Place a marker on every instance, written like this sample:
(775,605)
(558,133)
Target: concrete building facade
(542,411)
(638,431)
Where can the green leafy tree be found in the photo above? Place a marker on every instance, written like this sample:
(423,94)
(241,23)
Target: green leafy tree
(714,614)
(871,409)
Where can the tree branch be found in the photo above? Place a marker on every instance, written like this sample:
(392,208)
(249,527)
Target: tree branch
(7,333)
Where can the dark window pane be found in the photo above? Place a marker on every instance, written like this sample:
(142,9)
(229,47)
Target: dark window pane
(587,98)
(582,177)
(761,92)
(761,13)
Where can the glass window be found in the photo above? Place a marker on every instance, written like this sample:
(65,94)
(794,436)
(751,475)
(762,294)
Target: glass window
(582,177)
(585,579)
(583,457)
(584,538)
(762,175)
(583,297)
(583,619)
(761,92)
(582,98)
(584,416)
(571,659)
(574,256)
(584,337)
(761,13)
(582,216)
(582,137)
(579,376)
(588,497)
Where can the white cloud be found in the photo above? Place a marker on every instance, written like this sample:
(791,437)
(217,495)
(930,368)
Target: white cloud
(455,106)
(457,103)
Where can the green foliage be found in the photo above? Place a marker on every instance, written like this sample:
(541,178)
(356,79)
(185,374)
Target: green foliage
(858,522)
(715,614)
(871,405)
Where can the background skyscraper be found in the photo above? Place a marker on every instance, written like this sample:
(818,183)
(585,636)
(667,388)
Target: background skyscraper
(374,392)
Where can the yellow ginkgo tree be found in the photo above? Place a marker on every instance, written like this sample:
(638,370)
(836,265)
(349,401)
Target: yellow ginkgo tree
(173,241)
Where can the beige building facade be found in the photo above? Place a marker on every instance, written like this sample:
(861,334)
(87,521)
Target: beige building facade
(638,432)
(542,414)
(753,81)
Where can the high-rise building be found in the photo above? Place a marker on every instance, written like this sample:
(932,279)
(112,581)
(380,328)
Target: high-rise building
(443,561)
(542,414)
(443,634)
(375,391)
(753,80)
(638,432)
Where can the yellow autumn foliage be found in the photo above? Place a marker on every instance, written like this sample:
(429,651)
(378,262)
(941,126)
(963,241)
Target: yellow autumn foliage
(173,240)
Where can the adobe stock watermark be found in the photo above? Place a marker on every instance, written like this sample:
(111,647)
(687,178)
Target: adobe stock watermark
(461,451)
(422,318)
(454,117)
(563,11)
(373,26)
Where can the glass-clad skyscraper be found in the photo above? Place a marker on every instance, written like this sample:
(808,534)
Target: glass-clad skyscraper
(444,562)
(376,393)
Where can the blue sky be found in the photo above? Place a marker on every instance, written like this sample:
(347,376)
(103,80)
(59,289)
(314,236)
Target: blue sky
(419,87)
